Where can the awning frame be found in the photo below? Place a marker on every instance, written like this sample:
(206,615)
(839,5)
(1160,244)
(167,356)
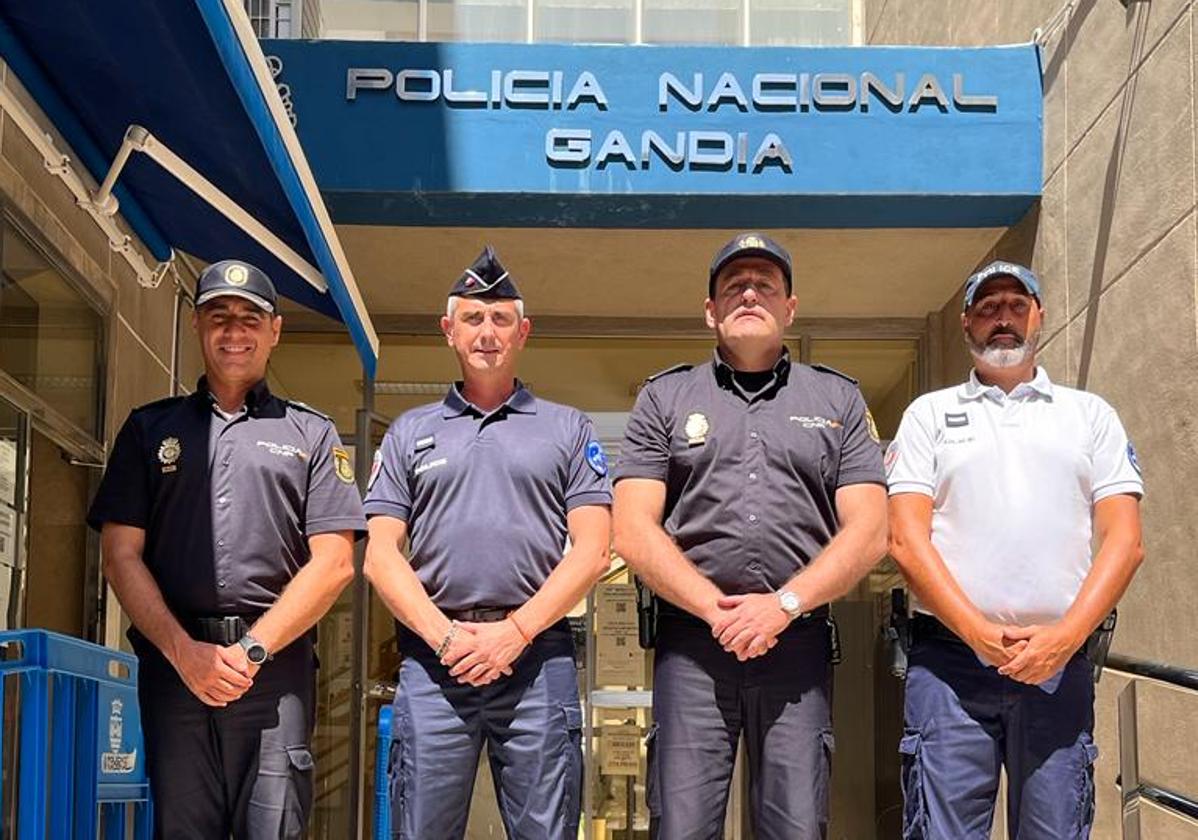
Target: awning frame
(139,139)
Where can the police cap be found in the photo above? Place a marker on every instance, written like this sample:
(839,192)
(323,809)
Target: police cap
(234,278)
(486,278)
(749,245)
(1001,268)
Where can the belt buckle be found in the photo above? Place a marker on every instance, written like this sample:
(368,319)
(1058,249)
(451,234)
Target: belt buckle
(231,625)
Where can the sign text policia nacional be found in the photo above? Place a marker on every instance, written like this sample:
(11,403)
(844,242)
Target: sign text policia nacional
(553,90)
(407,133)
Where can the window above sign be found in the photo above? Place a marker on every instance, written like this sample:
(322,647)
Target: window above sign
(719,22)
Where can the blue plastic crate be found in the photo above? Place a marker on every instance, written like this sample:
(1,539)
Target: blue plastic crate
(80,754)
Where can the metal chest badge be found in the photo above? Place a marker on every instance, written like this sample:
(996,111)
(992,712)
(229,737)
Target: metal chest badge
(696,429)
(342,465)
(168,453)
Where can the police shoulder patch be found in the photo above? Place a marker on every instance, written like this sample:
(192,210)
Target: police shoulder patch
(1133,459)
(596,459)
(668,371)
(342,465)
(834,372)
(376,467)
(309,409)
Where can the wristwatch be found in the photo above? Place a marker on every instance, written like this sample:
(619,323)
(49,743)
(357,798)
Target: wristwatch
(790,603)
(255,651)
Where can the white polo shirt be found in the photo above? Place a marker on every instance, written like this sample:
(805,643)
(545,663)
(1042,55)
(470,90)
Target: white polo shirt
(1013,478)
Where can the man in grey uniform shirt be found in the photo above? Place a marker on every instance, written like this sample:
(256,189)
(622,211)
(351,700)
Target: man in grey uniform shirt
(749,494)
(227,521)
(487,484)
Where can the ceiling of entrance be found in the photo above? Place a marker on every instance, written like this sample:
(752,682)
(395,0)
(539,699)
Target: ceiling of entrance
(658,274)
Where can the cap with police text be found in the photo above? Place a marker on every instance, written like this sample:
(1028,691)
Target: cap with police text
(749,245)
(234,278)
(486,278)
(1001,268)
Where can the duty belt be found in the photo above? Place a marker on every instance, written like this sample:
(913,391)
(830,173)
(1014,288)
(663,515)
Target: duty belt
(480,615)
(219,629)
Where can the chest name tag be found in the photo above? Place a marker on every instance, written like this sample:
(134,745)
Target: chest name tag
(426,443)
(956,421)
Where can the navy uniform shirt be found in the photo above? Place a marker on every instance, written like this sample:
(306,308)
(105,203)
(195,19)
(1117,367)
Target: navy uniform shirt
(485,495)
(227,505)
(751,479)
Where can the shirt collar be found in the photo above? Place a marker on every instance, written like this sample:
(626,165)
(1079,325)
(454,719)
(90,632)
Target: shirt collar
(975,389)
(455,405)
(258,396)
(723,371)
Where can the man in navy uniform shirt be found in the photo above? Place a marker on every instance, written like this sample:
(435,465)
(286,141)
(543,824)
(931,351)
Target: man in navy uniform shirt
(227,521)
(749,494)
(487,484)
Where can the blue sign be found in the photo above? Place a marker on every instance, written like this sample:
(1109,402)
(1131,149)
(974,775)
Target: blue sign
(622,136)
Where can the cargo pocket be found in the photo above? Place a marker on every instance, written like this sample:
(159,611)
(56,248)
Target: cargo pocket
(571,766)
(1085,798)
(823,784)
(652,785)
(299,792)
(915,812)
(396,785)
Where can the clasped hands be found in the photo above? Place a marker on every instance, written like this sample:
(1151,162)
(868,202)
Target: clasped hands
(1028,654)
(748,625)
(481,653)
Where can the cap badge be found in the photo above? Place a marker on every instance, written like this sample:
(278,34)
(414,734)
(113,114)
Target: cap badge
(345,470)
(696,429)
(750,242)
(168,453)
(236,275)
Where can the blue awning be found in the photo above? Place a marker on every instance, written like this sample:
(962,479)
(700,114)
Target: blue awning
(191,73)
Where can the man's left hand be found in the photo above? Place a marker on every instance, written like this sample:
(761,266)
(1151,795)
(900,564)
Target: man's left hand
(497,644)
(1049,647)
(750,624)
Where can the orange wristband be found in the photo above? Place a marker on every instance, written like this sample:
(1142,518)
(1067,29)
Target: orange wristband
(512,618)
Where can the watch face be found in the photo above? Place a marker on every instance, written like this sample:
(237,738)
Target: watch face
(790,602)
(256,654)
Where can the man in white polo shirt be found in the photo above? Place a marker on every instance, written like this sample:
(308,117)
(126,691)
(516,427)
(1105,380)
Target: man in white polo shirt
(996,489)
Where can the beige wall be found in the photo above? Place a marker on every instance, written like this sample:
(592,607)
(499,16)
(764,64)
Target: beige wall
(1114,242)
(138,322)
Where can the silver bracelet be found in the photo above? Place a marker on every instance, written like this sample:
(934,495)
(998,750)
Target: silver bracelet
(447,641)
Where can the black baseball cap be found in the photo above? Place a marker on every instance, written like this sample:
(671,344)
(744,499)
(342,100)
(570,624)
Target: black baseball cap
(234,278)
(750,244)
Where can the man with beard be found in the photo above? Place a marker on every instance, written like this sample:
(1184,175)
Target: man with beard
(996,487)
(749,495)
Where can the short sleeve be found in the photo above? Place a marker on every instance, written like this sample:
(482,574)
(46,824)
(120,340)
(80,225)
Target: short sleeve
(333,502)
(645,450)
(124,494)
(860,454)
(911,458)
(1116,468)
(388,492)
(588,483)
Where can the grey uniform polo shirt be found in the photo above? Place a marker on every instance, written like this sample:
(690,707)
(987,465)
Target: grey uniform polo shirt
(227,505)
(751,479)
(485,495)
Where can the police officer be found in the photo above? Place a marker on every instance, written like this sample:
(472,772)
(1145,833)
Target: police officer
(997,487)
(227,520)
(749,495)
(487,484)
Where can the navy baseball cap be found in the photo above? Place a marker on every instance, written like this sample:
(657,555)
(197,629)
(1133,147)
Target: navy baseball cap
(749,245)
(1001,268)
(486,278)
(234,278)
